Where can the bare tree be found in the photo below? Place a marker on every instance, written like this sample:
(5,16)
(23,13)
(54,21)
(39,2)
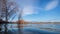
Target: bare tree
(8,11)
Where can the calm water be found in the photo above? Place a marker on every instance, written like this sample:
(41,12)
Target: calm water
(37,26)
(34,28)
(57,26)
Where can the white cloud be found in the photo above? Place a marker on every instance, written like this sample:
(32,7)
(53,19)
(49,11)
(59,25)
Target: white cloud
(51,5)
(28,10)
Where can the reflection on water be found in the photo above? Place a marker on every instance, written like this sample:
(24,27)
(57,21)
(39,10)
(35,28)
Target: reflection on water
(51,27)
(37,25)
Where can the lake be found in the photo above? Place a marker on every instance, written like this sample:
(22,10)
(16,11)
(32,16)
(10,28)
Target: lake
(49,27)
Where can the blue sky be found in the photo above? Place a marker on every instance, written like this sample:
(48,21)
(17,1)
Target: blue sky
(39,10)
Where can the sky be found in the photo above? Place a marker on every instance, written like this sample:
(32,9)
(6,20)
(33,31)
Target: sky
(39,10)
